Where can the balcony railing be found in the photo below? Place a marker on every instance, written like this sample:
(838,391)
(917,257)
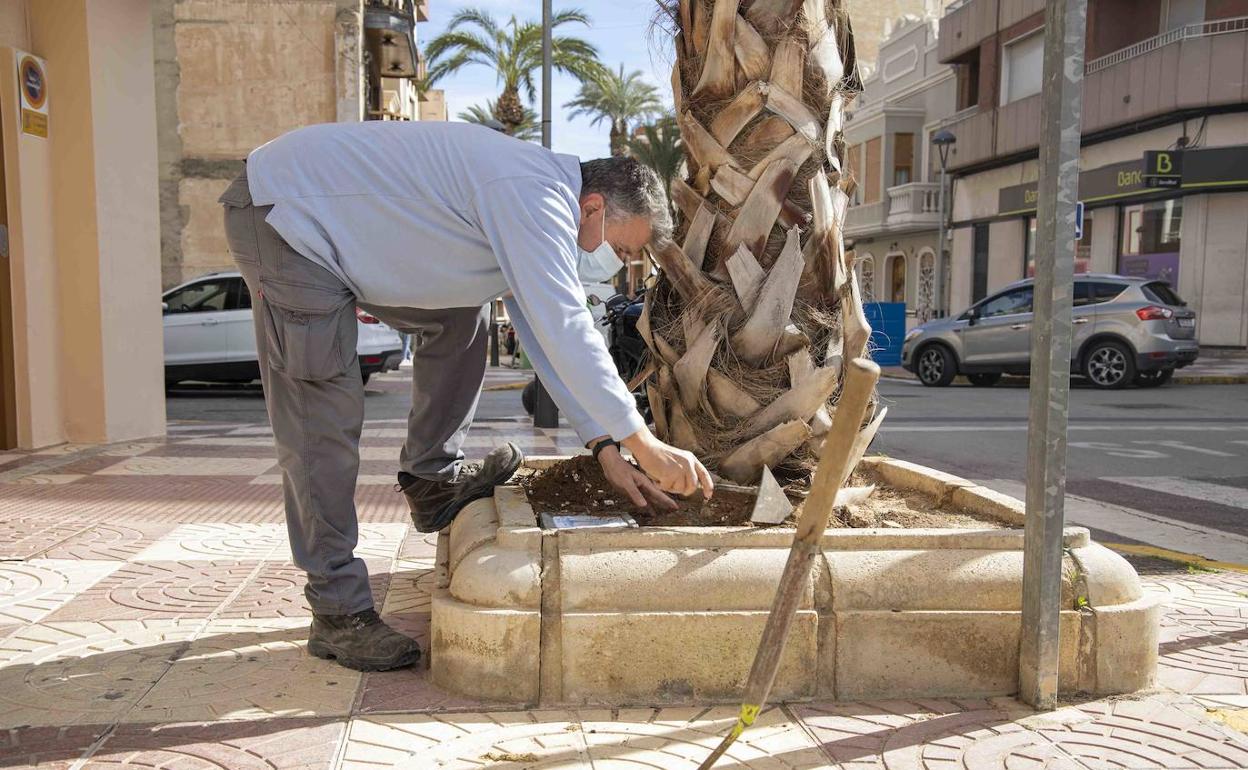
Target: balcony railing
(905,207)
(917,203)
(1189,31)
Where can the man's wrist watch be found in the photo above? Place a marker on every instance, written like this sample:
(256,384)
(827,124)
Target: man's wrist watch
(601,445)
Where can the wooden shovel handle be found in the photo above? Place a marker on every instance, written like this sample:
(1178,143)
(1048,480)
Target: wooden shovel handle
(861,377)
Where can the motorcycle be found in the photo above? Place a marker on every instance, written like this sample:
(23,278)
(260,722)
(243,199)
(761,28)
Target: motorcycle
(624,343)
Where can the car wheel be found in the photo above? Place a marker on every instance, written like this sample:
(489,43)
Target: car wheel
(935,366)
(984,379)
(528,396)
(1109,365)
(1153,379)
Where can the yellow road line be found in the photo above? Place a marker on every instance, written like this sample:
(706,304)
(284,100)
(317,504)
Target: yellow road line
(1176,556)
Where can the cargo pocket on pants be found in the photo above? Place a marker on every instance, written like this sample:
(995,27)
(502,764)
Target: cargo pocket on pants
(307,345)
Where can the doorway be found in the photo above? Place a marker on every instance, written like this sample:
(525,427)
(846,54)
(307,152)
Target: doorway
(8,398)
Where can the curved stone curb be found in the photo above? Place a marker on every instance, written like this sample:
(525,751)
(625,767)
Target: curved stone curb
(673,615)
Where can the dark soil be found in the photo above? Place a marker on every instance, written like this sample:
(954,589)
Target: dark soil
(577,485)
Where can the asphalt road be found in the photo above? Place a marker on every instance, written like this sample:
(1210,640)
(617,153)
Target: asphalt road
(1165,468)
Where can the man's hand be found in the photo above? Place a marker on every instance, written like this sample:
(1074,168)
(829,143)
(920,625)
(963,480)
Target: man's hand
(625,477)
(674,470)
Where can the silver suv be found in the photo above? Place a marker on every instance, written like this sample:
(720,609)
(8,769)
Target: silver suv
(1126,330)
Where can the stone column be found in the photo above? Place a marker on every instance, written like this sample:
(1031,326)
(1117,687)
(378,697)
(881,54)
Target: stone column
(104,210)
(349,60)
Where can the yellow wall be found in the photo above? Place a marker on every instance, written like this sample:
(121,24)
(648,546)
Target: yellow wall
(83,223)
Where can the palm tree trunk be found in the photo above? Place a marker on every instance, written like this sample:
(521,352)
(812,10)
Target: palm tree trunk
(510,110)
(619,138)
(758,306)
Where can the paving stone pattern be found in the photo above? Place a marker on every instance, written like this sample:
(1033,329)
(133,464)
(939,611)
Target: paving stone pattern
(150,617)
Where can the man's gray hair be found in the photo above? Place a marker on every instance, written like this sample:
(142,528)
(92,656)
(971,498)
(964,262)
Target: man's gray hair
(631,190)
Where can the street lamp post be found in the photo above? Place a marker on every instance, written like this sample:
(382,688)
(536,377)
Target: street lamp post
(545,413)
(944,141)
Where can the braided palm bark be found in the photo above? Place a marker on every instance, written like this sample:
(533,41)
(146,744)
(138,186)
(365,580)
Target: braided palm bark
(757,306)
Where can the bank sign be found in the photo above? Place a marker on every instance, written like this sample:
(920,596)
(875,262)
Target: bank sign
(1190,170)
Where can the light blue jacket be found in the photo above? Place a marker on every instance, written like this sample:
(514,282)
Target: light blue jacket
(443,215)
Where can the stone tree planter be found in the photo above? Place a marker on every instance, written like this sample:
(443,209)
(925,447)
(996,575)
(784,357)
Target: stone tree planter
(673,615)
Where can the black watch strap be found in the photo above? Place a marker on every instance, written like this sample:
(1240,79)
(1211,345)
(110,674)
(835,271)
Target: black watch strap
(601,445)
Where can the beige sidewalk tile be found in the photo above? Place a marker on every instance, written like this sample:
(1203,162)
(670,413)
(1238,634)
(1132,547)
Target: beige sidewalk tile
(411,584)
(248,669)
(212,541)
(1147,732)
(111,540)
(84,673)
(190,466)
(48,479)
(681,738)
(501,741)
(30,590)
(166,589)
(276,591)
(924,735)
(271,744)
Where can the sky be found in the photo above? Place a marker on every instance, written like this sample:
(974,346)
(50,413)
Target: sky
(620,31)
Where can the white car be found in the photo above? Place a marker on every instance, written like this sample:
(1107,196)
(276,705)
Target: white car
(210,335)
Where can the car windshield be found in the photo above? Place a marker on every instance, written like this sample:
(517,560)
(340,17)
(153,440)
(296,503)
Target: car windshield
(1158,291)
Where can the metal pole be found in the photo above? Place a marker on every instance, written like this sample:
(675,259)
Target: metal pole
(545,413)
(1062,84)
(938,291)
(493,334)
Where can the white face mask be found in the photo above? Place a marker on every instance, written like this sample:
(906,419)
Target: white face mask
(601,264)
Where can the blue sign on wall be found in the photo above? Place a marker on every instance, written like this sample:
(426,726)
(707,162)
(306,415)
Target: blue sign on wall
(888,331)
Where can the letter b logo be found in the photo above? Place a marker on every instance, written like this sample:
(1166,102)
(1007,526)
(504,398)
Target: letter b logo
(1164,165)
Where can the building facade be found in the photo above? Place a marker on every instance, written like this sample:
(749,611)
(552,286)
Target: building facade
(80,331)
(894,213)
(233,74)
(1162,76)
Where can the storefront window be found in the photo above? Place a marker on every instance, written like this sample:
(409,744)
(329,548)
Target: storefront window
(1151,240)
(1083,248)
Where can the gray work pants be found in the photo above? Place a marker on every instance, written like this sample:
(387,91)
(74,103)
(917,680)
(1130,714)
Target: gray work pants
(306,342)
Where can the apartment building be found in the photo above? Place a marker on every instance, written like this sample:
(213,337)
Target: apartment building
(1167,76)
(233,74)
(894,213)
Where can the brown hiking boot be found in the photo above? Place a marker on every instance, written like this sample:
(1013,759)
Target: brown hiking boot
(361,642)
(435,504)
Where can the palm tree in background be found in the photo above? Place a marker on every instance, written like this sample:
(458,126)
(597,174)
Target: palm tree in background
(618,99)
(658,146)
(514,50)
(529,129)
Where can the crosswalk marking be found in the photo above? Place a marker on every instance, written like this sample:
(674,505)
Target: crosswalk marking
(1199,490)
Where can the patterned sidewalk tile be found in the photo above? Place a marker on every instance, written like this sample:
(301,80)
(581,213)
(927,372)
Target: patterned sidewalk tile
(1178,595)
(209,542)
(901,735)
(113,540)
(84,673)
(248,669)
(662,739)
(28,537)
(680,738)
(146,465)
(276,591)
(272,744)
(165,589)
(30,590)
(48,479)
(419,545)
(382,480)
(1147,732)
(47,748)
(411,586)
